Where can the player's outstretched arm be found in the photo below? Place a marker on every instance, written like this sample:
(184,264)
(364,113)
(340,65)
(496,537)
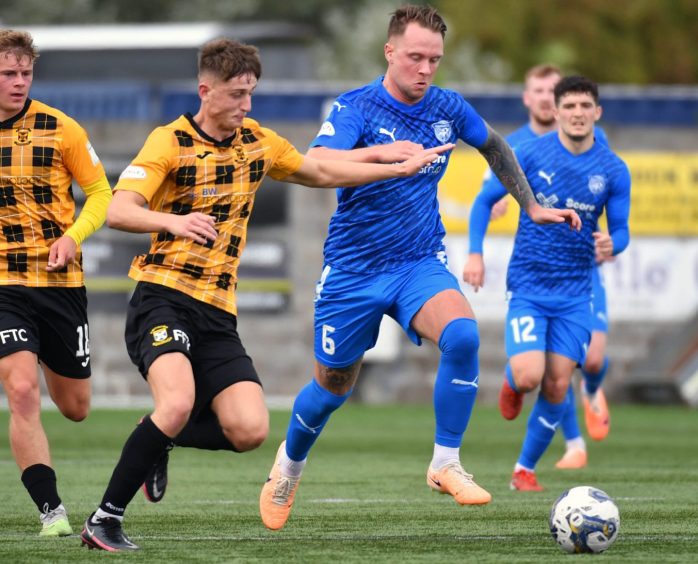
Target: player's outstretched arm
(501,159)
(126,213)
(504,165)
(387,153)
(539,214)
(318,173)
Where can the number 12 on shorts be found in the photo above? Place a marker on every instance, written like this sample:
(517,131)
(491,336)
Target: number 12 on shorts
(522,327)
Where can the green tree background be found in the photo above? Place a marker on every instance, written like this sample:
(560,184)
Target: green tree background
(613,41)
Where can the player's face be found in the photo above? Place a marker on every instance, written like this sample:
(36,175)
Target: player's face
(226,103)
(576,114)
(539,98)
(15,80)
(413,59)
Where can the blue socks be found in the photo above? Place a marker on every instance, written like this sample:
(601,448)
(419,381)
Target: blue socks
(456,381)
(509,375)
(311,410)
(542,424)
(569,424)
(592,382)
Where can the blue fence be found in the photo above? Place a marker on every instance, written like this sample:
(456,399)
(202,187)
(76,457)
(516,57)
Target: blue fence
(133,101)
(116,101)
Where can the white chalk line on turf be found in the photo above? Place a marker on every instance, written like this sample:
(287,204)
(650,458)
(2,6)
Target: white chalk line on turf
(333,500)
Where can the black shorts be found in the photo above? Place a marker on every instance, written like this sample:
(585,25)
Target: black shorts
(161,320)
(50,322)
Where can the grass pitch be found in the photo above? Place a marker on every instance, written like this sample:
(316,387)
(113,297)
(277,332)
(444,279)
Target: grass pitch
(363,496)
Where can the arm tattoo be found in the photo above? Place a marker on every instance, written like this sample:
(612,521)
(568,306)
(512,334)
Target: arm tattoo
(504,165)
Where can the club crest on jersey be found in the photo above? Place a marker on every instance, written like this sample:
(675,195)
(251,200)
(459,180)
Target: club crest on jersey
(240,157)
(442,130)
(597,184)
(326,129)
(23,136)
(160,335)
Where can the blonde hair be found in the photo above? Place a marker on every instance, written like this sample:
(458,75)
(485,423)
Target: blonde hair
(542,71)
(425,16)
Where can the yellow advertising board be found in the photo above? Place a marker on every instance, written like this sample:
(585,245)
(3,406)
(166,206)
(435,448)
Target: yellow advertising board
(664,194)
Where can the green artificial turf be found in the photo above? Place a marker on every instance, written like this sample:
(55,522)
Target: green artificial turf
(363,496)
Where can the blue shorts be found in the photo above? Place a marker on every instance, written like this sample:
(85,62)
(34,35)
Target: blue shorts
(559,325)
(349,306)
(598,301)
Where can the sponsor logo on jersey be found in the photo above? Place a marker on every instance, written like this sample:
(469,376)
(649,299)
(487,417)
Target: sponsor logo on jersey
(579,206)
(547,202)
(133,172)
(14,335)
(23,136)
(442,130)
(435,167)
(384,131)
(326,129)
(547,177)
(597,184)
(338,106)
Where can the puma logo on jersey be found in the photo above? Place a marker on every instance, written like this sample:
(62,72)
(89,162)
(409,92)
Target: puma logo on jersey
(547,177)
(338,106)
(391,134)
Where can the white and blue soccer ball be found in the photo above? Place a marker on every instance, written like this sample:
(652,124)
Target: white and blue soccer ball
(584,519)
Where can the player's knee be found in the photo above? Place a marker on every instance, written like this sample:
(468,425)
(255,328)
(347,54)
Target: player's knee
(172,416)
(73,404)
(460,339)
(594,363)
(23,395)
(555,391)
(76,410)
(527,378)
(247,437)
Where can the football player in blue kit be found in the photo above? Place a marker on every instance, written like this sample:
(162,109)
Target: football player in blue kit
(539,98)
(384,255)
(549,280)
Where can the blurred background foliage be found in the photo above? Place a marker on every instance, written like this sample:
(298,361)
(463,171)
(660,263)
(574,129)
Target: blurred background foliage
(620,41)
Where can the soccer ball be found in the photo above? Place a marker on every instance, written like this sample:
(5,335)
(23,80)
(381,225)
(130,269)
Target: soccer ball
(584,519)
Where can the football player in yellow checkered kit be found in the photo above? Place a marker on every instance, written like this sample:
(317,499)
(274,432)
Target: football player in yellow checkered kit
(193,186)
(43,306)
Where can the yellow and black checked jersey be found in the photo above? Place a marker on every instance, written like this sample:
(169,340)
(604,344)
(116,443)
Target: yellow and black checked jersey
(182,170)
(41,151)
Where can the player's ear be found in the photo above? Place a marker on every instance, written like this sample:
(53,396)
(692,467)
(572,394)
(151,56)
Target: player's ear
(388,50)
(599,111)
(204,89)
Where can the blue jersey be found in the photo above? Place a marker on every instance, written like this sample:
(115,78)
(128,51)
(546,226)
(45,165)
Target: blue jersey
(382,226)
(552,259)
(480,212)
